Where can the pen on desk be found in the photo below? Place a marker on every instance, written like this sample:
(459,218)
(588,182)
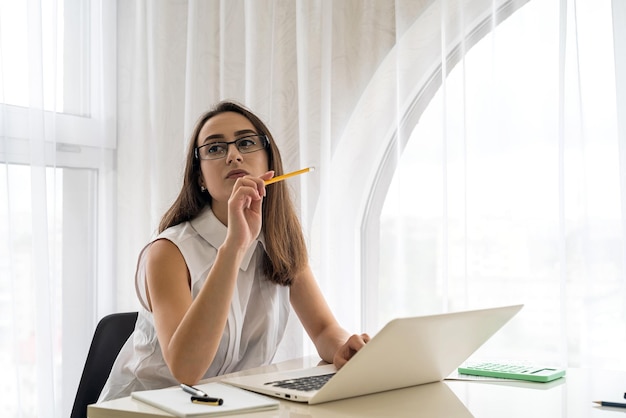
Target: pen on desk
(612,404)
(200,396)
(286,176)
(207,400)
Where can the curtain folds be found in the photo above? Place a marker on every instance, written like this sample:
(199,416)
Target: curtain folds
(29,260)
(29,264)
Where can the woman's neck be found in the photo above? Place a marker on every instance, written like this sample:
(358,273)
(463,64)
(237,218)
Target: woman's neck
(220,211)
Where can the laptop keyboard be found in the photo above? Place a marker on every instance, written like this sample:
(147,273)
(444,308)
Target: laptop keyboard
(307,383)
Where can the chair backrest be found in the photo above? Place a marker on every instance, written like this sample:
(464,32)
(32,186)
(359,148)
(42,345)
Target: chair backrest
(110,335)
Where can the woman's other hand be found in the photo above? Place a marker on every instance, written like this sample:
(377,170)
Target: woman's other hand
(349,349)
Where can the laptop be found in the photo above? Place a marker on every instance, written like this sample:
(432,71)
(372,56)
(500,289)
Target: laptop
(405,352)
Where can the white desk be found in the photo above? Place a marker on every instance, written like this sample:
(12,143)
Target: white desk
(569,397)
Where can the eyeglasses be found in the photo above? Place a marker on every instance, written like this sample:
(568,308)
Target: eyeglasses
(245,145)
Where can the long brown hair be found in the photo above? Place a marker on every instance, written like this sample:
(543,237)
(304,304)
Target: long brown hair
(286,250)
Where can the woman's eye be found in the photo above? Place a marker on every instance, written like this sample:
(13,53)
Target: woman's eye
(216,149)
(245,143)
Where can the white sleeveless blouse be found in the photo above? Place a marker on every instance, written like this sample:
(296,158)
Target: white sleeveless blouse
(256,321)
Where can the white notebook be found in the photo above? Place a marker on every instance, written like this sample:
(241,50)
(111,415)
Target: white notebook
(177,402)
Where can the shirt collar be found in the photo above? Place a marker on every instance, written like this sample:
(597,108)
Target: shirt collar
(214,232)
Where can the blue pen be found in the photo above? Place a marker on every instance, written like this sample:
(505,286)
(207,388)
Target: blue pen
(611,404)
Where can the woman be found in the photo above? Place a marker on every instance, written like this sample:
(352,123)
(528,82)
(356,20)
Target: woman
(216,283)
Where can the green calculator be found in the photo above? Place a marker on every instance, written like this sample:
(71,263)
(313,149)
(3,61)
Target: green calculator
(533,373)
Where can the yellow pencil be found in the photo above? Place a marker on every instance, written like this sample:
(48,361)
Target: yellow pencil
(286,176)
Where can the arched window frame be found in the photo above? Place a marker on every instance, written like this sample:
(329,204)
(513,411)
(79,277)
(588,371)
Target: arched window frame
(366,155)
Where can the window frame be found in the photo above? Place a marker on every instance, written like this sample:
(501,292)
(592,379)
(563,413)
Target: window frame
(386,118)
(85,140)
(94,122)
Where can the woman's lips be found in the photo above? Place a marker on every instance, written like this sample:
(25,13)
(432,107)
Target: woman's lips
(234,174)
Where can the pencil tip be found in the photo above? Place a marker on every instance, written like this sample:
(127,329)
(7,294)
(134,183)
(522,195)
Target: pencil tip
(312,168)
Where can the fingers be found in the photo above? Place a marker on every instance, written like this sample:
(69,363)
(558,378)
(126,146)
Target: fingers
(248,189)
(349,349)
(356,342)
(267,176)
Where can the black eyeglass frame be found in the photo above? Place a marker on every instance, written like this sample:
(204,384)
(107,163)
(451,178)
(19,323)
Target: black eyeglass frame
(264,139)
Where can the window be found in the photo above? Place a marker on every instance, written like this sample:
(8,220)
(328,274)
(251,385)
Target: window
(508,191)
(57,178)
(59,57)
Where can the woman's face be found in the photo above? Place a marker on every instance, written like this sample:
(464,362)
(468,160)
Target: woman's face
(219,175)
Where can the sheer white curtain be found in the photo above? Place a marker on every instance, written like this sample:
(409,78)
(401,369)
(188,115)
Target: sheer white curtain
(56,194)
(509,189)
(343,84)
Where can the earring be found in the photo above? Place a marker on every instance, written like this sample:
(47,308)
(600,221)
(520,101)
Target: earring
(202,189)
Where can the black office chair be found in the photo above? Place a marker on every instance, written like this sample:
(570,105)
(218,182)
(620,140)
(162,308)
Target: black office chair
(110,335)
